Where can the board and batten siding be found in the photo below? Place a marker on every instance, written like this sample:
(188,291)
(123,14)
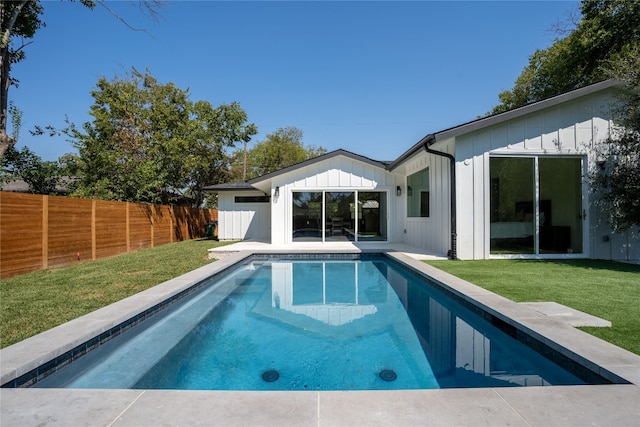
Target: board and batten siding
(243,221)
(339,173)
(569,129)
(433,233)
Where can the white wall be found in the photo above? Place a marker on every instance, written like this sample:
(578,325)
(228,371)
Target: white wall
(337,173)
(433,233)
(243,221)
(568,129)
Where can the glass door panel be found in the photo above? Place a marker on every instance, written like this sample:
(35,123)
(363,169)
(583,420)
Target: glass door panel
(560,206)
(307,216)
(512,205)
(372,223)
(340,216)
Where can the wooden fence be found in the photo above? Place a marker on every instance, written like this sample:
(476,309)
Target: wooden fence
(38,232)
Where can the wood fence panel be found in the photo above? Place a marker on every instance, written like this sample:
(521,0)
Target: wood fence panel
(180,223)
(162,225)
(139,226)
(110,228)
(21,242)
(48,231)
(194,223)
(70,233)
(205,217)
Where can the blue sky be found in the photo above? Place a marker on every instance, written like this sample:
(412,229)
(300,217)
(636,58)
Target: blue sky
(369,77)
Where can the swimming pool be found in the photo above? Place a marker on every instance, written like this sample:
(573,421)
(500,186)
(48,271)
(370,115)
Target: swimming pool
(315,324)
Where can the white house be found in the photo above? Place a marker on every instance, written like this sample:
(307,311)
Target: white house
(509,185)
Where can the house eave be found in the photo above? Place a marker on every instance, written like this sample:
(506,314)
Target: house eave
(259,181)
(498,118)
(229,187)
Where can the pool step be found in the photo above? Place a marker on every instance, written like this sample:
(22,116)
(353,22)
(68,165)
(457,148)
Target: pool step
(567,315)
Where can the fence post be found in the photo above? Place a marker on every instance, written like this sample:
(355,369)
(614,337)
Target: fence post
(45,232)
(93,230)
(172,223)
(127,227)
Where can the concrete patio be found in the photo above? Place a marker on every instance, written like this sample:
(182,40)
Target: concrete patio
(603,405)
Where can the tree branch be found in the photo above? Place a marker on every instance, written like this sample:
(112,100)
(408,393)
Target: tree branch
(150,10)
(7,31)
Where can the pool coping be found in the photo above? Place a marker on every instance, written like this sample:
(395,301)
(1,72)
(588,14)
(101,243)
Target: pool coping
(615,404)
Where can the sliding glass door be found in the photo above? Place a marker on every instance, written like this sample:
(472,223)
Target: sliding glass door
(561,205)
(536,205)
(372,219)
(340,221)
(512,206)
(307,216)
(334,216)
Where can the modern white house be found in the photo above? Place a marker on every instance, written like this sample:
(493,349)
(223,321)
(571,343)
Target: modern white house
(508,185)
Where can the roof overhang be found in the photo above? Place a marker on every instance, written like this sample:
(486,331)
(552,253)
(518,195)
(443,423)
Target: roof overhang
(485,122)
(229,186)
(263,183)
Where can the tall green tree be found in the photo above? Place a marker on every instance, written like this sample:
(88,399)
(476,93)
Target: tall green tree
(280,149)
(607,30)
(617,183)
(213,130)
(149,143)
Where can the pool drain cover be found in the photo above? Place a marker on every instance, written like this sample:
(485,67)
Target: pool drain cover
(388,375)
(271,375)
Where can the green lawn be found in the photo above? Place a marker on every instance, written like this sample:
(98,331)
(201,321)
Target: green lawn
(35,302)
(605,289)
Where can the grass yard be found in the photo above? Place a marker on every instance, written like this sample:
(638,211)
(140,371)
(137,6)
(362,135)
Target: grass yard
(35,302)
(605,289)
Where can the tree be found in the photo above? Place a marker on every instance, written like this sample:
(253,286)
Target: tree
(280,149)
(607,30)
(149,143)
(617,184)
(21,19)
(43,177)
(213,130)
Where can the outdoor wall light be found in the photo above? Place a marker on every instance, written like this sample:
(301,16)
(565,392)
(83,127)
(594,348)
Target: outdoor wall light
(398,191)
(601,164)
(277,193)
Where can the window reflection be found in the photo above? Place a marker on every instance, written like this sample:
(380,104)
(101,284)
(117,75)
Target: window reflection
(418,194)
(466,351)
(339,216)
(462,349)
(307,216)
(326,291)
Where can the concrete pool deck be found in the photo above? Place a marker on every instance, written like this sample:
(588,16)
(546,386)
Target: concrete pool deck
(605,405)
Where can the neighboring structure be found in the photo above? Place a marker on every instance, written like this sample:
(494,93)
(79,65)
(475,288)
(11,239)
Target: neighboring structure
(512,184)
(21,186)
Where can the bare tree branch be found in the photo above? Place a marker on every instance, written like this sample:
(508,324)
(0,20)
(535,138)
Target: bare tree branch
(150,6)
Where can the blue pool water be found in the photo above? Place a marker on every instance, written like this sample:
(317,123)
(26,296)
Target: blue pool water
(292,324)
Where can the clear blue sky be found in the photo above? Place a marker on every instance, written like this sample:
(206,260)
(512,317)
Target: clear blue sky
(369,77)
